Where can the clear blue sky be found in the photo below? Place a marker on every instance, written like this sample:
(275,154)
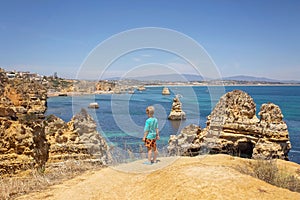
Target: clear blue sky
(258,38)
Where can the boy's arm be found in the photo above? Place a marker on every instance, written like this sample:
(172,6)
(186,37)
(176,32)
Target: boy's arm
(146,130)
(157,134)
(145,135)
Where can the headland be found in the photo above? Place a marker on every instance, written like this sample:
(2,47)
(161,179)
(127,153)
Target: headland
(31,141)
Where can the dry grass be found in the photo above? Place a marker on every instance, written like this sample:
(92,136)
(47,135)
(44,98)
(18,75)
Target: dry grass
(268,171)
(33,180)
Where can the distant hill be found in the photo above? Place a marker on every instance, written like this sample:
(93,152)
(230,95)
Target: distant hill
(250,79)
(194,77)
(290,81)
(170,77)
(258,79)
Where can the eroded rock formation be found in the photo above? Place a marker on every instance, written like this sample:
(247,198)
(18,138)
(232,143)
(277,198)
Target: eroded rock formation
(233,128)
(176,112)
(77,139)
(20,97)
(183,144)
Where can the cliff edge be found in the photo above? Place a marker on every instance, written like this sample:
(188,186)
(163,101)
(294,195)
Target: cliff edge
(203,177)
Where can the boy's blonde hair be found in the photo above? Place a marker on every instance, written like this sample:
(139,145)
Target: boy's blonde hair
(150,110)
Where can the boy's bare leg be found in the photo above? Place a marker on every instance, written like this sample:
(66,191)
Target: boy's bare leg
(149,154)
(155,155)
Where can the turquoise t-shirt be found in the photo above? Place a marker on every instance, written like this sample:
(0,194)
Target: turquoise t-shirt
(151,126)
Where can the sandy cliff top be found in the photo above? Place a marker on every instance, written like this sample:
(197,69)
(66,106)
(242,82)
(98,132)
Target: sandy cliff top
(203,177)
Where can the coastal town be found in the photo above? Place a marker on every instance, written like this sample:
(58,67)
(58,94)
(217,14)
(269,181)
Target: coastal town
(57,86)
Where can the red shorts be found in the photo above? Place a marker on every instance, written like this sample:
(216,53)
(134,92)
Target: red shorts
(150,143)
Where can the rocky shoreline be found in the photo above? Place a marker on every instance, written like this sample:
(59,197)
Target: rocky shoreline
(31,140)
(233,128)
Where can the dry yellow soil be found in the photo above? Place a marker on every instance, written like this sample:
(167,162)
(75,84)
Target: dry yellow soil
(203,177)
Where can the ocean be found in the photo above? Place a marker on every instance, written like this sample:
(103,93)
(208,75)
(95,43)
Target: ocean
(121,117)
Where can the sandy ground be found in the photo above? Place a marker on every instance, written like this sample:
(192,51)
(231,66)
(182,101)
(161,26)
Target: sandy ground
(204,177)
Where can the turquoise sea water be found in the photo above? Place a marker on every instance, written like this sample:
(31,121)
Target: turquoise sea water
(121,117)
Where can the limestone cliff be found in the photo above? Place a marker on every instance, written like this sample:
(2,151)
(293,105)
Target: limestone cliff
(105,85)
(21,97)
(22,139)
(28,140)
(233,128)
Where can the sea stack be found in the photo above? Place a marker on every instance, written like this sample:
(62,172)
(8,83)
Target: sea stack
(166,91)
(176,111)
(141,88)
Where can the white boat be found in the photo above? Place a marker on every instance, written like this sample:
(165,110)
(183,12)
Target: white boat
(94,105)
(131,92)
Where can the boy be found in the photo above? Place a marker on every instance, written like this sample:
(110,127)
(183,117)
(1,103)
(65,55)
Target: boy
(151,134)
